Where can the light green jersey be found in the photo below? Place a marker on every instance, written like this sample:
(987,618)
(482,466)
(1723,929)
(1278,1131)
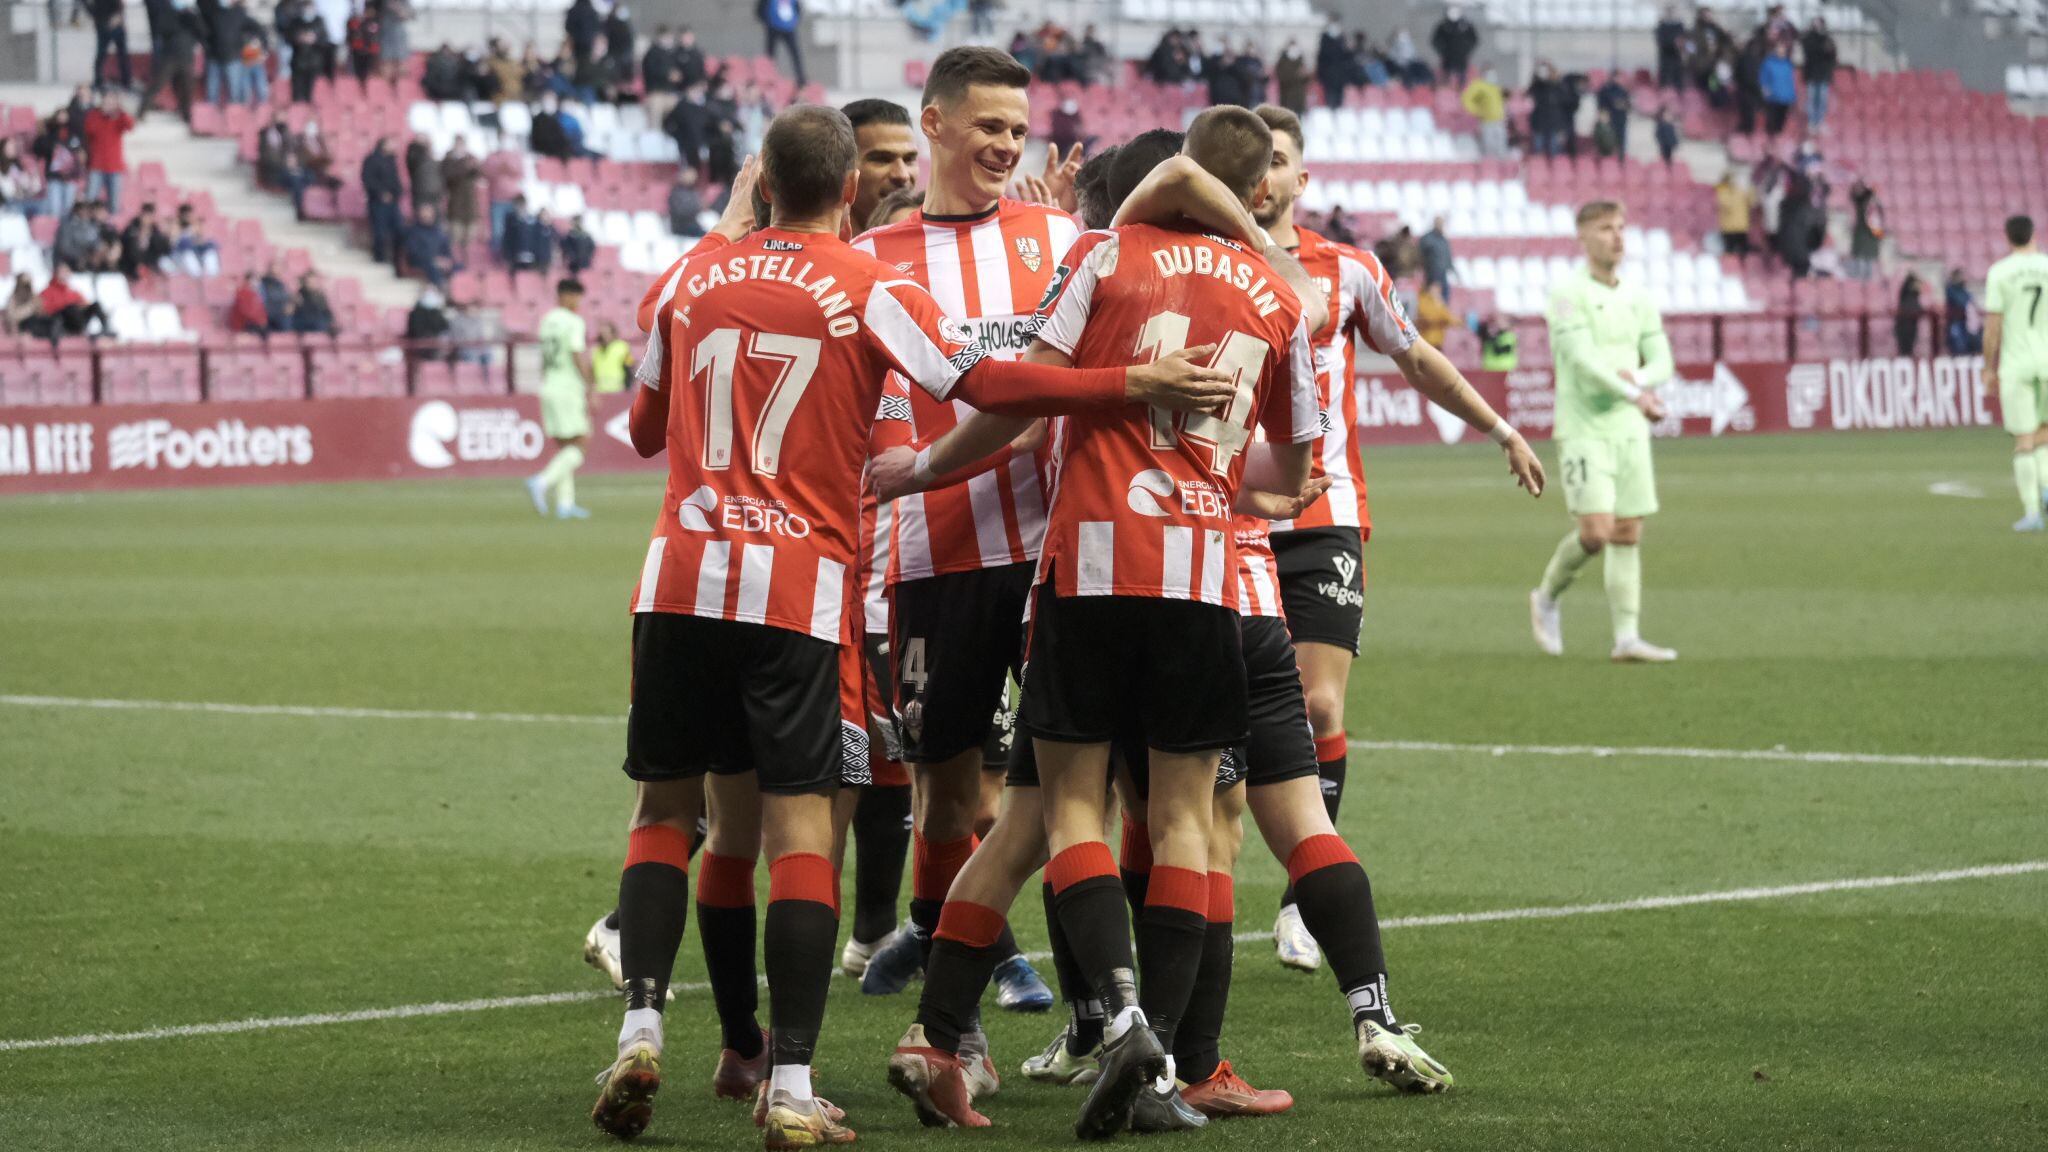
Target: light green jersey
(2014,289)
(562,335)
(1597,332)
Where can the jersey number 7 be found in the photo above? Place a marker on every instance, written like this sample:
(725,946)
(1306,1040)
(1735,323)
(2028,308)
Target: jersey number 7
(795,358)
(1239,354)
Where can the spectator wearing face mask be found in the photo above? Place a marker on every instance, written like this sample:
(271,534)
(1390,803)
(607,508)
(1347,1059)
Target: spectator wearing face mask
(1454,41)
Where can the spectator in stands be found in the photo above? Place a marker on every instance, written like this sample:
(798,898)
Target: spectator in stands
(1438,265)
(620,41)
(1866,234)
(579,249)
(382,189)
(249,71)
(144,246)
(1818,59)
(1433,318)
(192,252)
(1335,65)
(661,76)
(310,146)
(1748,81)
(427,250)
(1485,102)
(1615,103)
(21,186)
(1710,43)
(611,360)
(279,303)
(312,53)
(110,38)
(470,333)
(690,60)
(1778,28)
(1499,347)
(1956,305)
(24,311)
(65,312)
(721,143)
(504,176)
(273,145)
(581,26)
(1734,206)
(779,19)
(1780,86)
(441,78)
(428,320)
(1337,228)
(1168,63)
(685,204)
(1400,253)
(1454,40)
(1406,61)
(1800,225)
(106,126)
(394,40)
(1911,314)
(1550,111)
(550,133)
(1291,75)
(1067,129)
(461,173)
(78,237)
(311,312)
(222,26)
(62,151)
(521,244)
(1672,42)
(363,36)
(1097,63)
(1667,135)
(423,175)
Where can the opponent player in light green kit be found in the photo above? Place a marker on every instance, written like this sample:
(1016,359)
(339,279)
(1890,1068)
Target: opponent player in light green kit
(2016,361)
(1611,354)
(564,401)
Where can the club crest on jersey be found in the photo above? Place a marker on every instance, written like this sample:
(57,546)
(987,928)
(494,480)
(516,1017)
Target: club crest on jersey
(1028,252)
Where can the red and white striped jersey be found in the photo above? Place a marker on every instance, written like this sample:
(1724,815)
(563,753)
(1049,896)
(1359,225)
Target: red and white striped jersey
(1142,498)
(989,272)
(1258,576)
(774,350)
(1361,300)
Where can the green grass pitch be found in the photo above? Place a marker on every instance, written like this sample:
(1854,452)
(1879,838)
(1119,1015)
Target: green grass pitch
(161,869)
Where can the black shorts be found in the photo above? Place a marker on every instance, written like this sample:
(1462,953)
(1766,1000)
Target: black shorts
(1322,585)
(957,637)
(1169,672)
(1281,746)
(729,697)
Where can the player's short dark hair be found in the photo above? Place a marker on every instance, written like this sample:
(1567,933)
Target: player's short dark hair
(957,69)
(1091,189)
(1594,211)
(1231,144)
(861,113)
(1280,120)
(2019,230)
(1136,160)
(568,286)
(896,201)
(805,157)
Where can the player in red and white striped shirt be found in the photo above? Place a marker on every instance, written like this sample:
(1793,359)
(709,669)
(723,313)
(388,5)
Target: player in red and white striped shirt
(960,558)
(774,349)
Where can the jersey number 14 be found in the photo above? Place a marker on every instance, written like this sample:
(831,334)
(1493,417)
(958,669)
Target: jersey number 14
(1239,354)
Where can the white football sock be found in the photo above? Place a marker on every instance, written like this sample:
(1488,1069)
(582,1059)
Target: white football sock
(794,1079)
(641,1023)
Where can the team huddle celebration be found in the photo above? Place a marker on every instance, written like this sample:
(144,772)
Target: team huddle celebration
(1095,439)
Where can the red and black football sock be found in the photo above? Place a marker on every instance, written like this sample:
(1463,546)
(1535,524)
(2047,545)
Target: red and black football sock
(933,865)
(1198,1046)
(725,922)
(802,927)
(611,919)
(1134,862)
(1096,922)
(1333,762)
(1336,905)
(1086,1030)
(965,952)
(881,840)
(1170,932)
(654,903)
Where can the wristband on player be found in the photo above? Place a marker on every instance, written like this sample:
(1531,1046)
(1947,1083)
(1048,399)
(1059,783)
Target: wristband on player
(921,469)
(1502,432)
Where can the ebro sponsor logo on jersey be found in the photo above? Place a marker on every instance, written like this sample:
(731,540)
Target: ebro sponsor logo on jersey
(739,514)
(1197,497)
(478,435)
(1892,393)
(152,444)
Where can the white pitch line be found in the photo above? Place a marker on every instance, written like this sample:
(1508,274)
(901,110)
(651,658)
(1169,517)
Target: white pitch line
(317,712)
(1539,912)
(1781,755)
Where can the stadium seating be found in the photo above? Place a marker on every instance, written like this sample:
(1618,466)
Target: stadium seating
(1644,14)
